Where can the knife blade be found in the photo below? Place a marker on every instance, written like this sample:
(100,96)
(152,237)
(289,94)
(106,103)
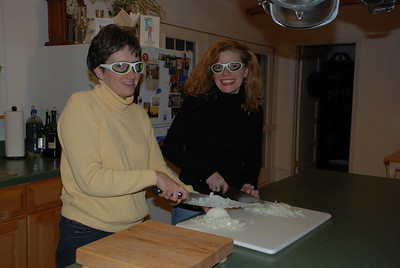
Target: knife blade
(242,197)
(203,200)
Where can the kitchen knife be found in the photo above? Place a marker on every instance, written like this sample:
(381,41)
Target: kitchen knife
(203,200)
(242,197)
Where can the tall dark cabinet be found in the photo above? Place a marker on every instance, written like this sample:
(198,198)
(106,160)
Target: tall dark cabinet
(332,85)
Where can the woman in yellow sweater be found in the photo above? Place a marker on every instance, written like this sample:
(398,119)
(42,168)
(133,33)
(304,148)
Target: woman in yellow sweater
(109,152)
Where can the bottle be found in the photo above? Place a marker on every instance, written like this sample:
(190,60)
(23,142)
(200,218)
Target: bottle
(34,134)
(53,148)
(82,25)
(46,131)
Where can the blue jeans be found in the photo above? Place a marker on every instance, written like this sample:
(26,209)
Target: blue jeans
(182,212)
(72,236)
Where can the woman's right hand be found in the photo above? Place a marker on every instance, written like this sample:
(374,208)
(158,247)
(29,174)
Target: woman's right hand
(170,188)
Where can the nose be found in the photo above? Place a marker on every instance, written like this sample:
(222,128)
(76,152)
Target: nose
(133,73)
(225,71)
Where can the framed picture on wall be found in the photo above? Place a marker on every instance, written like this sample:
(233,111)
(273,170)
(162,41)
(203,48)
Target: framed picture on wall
(149,31)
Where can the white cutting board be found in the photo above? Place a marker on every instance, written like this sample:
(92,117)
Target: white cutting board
(268,234)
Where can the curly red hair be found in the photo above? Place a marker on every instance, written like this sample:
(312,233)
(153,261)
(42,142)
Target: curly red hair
(200,82)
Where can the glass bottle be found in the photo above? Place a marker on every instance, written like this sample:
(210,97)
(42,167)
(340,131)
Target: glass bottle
(46,131)
(34,134)
(53,149)
(72,21)
(82,25)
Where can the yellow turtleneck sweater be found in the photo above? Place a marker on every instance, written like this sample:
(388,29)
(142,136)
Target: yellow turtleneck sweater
(109,156)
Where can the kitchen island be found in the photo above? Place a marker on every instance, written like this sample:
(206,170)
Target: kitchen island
(364,230)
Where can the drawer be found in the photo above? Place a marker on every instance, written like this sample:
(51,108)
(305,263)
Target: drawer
(12,202)
(44,194)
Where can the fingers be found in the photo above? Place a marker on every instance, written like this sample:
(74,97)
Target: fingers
(171,190)
(216,183)
(247,188)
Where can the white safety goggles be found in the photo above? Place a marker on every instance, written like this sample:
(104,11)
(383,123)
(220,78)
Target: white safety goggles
(232,66)
(123,67)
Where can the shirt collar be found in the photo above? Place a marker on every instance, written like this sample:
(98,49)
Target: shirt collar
(111,99)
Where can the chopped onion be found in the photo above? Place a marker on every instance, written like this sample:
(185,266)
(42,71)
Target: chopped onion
(275,209)
(215,201)
(218,218)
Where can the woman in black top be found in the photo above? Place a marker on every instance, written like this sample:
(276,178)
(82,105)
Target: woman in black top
(215,139)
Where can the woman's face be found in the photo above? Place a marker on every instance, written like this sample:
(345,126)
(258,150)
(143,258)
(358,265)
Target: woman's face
(123,85)
(230,82)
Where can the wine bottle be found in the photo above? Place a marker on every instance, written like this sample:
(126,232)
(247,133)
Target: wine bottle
(34,134)
(46,131)
(53,148)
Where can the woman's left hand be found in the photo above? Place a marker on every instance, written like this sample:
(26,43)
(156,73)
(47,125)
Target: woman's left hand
(249,189)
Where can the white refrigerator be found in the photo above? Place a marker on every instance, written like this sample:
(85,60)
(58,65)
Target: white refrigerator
(161,87)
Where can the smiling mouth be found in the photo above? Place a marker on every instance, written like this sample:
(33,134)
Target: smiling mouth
(227,82)
(128,83)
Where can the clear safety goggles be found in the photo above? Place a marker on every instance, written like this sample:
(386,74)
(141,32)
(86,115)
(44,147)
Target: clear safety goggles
(233,66)
(301,14)
(123,67)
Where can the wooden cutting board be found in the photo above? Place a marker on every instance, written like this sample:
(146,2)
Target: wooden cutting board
(155,244)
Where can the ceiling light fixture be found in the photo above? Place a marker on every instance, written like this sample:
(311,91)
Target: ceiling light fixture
(301,14)
(380,6)
(309,14)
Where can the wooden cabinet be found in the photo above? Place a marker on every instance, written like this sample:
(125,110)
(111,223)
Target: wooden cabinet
(57,22)
(43,237)
(12,202)
(13,243)
(29,216)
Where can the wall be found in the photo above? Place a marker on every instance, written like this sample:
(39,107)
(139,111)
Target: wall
(375,128)
(376,93)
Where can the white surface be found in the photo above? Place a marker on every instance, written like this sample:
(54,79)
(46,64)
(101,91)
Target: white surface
(268,234)
(14,122)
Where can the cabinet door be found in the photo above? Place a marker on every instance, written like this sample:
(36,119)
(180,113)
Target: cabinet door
(43,235)
(12,202)
(44,194)
(13,243)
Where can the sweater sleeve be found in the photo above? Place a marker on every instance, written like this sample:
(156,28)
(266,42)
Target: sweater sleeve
(78,130)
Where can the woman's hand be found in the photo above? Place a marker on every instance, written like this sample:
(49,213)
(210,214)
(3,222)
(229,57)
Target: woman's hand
(170,188)
(249,189)
(216,183)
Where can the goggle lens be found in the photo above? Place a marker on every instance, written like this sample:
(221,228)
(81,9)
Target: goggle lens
(124,67)
(233,66)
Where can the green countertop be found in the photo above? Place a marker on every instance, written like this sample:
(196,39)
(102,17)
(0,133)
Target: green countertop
(364,230)
(27,170)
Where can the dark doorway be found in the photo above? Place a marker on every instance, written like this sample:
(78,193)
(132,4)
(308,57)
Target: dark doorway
(327,74)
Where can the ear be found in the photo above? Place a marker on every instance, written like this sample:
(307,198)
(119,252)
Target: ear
(246,72)
(99,72)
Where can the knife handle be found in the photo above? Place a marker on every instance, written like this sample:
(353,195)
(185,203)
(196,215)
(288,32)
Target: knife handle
(157,190)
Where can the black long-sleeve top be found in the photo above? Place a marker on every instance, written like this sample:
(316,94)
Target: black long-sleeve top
(209,135)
